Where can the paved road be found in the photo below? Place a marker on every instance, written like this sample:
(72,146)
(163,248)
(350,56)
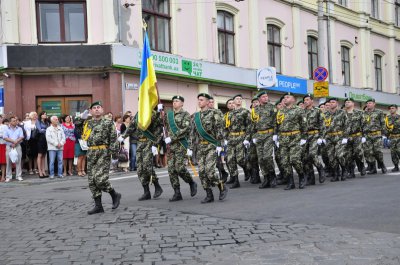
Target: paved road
(351,222)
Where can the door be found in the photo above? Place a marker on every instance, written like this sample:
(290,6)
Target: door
(58,106)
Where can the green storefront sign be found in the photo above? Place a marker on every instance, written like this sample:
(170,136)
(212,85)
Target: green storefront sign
(359,97)
(52,108)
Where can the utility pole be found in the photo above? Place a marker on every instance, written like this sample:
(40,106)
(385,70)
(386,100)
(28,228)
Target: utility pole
(322,38)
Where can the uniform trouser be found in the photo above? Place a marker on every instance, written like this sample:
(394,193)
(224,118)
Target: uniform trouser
(236,155)
(335,151)
(144,162)
(98,164)
(372,149)
(311,154)
(291,153)
(324,155)
(207,159)
(395,150)
(354,151)
(265,149)
(252,162)
(278,158)
(177,165)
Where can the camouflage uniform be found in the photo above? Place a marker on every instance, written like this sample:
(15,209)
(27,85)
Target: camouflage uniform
(393,126)
(238,131)
(335,129)
(291,128)
(314,122)
(374,129)
(263,127)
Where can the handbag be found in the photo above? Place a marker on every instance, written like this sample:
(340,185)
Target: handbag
(123,155)
(83,144)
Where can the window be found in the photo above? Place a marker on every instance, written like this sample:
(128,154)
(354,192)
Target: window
(156,15)
(374,9)
(274,47)
(312,43)
(345,52)
(343,2)
(226,37)
(398,69)
(61,21)
(397,13)
(378,72)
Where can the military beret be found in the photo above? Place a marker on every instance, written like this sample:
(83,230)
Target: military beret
(278,102)
(349,99)
(97,103)
(288,94)
(231,99)
(392,105)
(300,102)
(263,92)
(238,95)
(207,96)
(178,97)
(211,97)
(322,104)
(254,99)
(331,99)
(281,99)
(370,100)
(308,96)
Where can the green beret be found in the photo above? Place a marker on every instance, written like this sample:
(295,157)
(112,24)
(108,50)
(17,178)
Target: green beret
(228,101)
(178,97)
(330,99)
(308,96)
(254,99)
(281,99)
(300,102)
(322,104)
(263,92)
(349,99)
(238,95)
(278,102)
(392,105)
(207,96)
(97,103)
(211,97)
(288,94)
(370,100)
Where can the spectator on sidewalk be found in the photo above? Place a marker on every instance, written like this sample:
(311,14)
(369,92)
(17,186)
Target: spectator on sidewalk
(55,142)
(31,142)
(118,122)
(68,152)
(126,120)
(3,160)
(79,153)
(13,137)
(42,124)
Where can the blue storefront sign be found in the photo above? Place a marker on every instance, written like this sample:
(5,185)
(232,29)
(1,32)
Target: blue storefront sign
(290,84)
(1,97)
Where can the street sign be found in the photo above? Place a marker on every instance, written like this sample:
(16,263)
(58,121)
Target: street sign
(266,77)
(321,89)
(320,74)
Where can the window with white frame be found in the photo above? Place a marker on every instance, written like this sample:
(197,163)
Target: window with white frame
(312,46)
(375,8)
(378,72)
(343,2)
(397,13)
(345,53)
(226,37)
(274,47)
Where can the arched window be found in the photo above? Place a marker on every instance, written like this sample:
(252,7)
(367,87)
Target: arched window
(226,37)
(312,46)
(274,47)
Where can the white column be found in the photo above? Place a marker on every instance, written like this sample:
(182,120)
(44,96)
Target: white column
(254,32)
(201,30)
(391,77)
(298,49)
(10,24)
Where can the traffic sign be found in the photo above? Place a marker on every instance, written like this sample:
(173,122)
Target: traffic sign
(321,89)
(320,74)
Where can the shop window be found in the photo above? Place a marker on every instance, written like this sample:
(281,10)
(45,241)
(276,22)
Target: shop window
(226,37)
(274,47)
(312,44)
(378,72)
(61,21)
(345,53)
(156,13)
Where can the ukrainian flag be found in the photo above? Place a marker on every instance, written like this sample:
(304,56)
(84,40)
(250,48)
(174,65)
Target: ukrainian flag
(148,96)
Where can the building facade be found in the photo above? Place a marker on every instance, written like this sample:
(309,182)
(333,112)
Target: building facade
(61,55)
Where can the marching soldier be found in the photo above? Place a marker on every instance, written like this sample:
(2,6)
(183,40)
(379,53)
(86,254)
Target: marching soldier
(263,126)
(280,179)
(322,148)
(252,160)
(314,126)
(393,126)
(375,131)
(238,140)
(354,150)
(291,129)
(178,128)
(208,128)
(101,138)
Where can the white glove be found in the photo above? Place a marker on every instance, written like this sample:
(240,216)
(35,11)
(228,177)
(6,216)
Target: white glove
(254,140)
(225,142)
(154,150)
(275,138)
(85,114)
(218,150)
(167,140)
(160,107)
(303,142)
(246,143)
(384,137)
(324,141)
(189,152)
(120,139)
(277,144)
(344,141)
(320,141)
(363,140)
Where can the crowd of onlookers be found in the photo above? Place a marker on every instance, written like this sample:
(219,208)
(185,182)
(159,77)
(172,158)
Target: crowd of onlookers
(51,147)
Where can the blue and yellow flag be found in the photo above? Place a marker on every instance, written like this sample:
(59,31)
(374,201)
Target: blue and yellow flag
(148,96)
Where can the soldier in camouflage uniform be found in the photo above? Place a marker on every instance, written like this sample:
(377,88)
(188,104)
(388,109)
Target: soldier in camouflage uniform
(146,149)
(375,130)
(263,126)
(354,150)
(291,129)
(393,126)
(280,179)
(178,128)
(238,133)
(336,137)
(101,138)
(322,148)
(207,128)
(314,131)
(252,161)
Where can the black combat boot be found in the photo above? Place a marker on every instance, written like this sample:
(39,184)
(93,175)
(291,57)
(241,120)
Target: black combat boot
(321,174)
(98,207)
(231,180)
(311,178)
(373,169)
(236,183)
(177,195)
(222,191)
(335,175)
(266,183)
(290,185)
(352,174)
(344,174)
(255,176)
(146,195)
(116,198)
(382,167)
(193,188)
(396,168)
(303,181)
(224,176)
(157,189)
(247,174)
(273,179)
(369,167)
(361,168)
(209,198)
